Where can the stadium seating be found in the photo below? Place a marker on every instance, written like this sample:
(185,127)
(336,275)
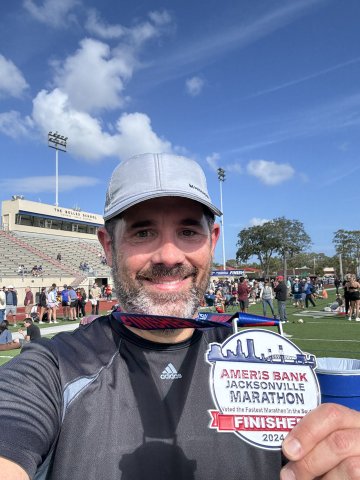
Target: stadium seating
(30,249)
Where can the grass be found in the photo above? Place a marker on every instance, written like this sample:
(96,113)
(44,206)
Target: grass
(324,337)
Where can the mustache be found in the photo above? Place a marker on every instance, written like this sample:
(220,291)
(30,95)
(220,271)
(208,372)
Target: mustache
(161,271)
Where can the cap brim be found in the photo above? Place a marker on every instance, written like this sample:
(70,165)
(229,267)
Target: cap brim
(121,207)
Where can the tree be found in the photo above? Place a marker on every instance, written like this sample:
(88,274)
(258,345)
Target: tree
(256,241)
(282,236)
(291,238)
(347,243)
(315,261)
(232,263)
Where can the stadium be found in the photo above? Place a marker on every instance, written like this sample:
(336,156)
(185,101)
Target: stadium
(42,244)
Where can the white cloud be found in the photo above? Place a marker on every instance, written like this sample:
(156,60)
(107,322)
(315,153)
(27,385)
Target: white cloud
(96,26)
(270,173)
(160,18)
(194,86)
(87,139)
(12,82)
(92,78)
(137,136)
(213,161)
(14,125)
(95,76)
(88,81)
(255,221)
(55,13)
(234,168)
(156,25)
(46,184)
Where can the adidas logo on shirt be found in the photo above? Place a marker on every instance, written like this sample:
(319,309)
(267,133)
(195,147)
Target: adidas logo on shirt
(170,373)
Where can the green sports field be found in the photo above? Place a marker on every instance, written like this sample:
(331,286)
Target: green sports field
(323,336)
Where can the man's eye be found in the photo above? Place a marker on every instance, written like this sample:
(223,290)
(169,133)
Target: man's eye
(143,234)
(188,233)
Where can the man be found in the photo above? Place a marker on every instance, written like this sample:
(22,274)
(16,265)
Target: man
(280,290)
(95,295)
(309,290)
(266,296)
(296,291)
(28,301)
(2,304)
(11,304)
(65,302)
(243,294)
(106,388)
(337,284)
(32,332)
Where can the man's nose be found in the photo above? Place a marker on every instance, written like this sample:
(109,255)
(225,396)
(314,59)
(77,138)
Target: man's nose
(168,253)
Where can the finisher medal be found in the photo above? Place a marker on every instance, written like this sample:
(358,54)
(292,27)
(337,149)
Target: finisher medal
(262,385)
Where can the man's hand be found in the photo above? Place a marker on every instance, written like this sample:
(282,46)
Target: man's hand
(324,444)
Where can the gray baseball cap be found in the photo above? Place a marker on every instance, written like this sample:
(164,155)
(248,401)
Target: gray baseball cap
(153,175)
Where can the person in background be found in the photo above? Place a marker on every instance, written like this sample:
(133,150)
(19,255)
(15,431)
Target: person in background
(65,302)
(353,288)
(243,294)
(337,284)
(2,304)
(5,334)
(82,299)
(267,296)
(309,290)
(43,304)
(52,304)
(32,332)
(219,302)
(11,304)
(108,292)
(296,290)
(73,303)
(95,295)
(280,290)
(28,301)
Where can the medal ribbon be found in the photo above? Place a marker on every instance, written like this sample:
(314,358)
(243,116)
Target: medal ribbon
(203,320)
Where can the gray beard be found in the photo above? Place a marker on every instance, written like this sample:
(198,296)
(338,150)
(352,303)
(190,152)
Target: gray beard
(134,298)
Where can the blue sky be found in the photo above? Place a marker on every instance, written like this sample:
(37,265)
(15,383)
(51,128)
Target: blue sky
(268,90)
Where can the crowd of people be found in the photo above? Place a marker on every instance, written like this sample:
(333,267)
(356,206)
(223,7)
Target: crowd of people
(35,271)
(44,309)
(243,291)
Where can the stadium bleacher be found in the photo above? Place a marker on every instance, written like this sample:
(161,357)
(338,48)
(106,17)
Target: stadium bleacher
(31,249)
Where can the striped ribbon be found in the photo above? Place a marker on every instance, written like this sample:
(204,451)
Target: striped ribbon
(203,320)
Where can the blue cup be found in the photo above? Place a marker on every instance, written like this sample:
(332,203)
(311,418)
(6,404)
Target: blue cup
(339,380)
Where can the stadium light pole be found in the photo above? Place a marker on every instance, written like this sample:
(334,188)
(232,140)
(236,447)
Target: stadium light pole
(221,177)
(57,141)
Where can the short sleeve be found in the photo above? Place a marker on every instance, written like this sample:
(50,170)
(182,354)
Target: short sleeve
(30,406)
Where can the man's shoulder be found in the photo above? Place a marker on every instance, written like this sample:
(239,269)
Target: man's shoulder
(80,352)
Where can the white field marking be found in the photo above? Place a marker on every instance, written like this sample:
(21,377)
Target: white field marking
(6,356)
(324,340)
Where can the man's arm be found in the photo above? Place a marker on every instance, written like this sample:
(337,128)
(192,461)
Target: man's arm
(11,471)
(324,444)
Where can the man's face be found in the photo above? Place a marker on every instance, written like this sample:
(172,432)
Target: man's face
(161,257)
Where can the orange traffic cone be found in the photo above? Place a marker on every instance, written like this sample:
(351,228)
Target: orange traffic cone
(324,293)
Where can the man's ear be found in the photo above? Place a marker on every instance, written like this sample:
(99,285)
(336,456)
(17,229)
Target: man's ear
(105,240)
(215,234)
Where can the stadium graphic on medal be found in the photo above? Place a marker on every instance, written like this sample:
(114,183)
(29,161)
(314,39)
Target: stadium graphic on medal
(262,385)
